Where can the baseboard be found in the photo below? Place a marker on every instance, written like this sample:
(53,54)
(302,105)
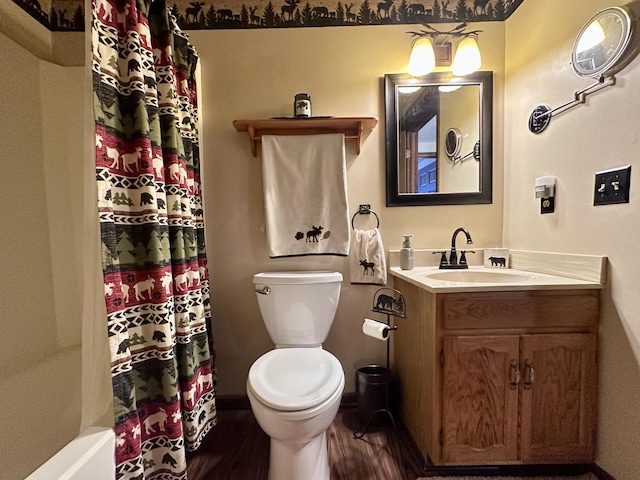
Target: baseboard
(232,402)
(241,402)
(349,400)
(600,473)
(507,470)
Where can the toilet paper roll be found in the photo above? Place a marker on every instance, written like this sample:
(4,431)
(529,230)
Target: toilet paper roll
(375,329)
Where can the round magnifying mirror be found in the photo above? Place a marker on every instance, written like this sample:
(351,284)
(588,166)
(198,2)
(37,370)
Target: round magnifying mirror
(452,143)
(602,42)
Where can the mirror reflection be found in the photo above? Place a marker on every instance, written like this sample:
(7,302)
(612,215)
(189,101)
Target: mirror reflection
(452,143)
(434,124)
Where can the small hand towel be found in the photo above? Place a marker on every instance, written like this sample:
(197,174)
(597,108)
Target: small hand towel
(367,262)
(305,195)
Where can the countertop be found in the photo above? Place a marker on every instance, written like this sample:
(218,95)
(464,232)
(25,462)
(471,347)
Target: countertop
(522,280)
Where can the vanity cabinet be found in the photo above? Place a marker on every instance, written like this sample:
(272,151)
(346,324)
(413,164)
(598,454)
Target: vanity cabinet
(499,377)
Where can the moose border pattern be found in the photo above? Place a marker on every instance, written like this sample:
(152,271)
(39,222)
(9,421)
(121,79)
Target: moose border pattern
(56,15)
(68,15)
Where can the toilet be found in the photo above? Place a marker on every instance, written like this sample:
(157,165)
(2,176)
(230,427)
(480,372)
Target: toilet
(295,389)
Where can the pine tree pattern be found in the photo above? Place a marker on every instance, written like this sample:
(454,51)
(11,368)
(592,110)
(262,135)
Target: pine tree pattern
(152,232)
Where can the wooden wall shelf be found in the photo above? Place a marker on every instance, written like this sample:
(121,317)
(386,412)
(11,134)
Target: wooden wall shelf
(354,128)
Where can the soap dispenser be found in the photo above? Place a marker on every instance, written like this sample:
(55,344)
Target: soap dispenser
(406,253)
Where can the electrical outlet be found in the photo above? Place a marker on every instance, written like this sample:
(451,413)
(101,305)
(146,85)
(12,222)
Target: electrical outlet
(548,205)
(612,186)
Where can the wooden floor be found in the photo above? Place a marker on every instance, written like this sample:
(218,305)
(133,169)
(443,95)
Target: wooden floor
(238,449)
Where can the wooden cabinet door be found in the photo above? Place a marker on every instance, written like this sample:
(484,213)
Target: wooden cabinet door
(559,395)
(480,399)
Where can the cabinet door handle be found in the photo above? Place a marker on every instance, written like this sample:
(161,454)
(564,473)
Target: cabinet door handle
(529,375)
(515,375)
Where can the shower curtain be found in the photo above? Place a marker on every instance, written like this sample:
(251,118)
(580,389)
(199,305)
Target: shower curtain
(151,225)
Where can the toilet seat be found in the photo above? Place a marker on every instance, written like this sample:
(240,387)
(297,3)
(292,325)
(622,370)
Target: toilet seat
(291,379)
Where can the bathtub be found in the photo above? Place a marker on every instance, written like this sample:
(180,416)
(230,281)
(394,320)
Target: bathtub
(88,456)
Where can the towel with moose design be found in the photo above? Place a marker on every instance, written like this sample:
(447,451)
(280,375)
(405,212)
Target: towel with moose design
(305,195)
(367,262)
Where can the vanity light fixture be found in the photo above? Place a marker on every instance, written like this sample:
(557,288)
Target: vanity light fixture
(422,59)
(467,59)
(432,47)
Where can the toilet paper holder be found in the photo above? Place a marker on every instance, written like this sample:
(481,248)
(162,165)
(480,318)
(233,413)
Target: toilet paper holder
(390,302)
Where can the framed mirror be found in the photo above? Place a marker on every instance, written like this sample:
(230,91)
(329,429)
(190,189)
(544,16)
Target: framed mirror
(602,42)
(426,119)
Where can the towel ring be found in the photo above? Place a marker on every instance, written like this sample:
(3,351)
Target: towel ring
(364,210)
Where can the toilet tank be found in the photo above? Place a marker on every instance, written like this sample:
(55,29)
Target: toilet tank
(298,307)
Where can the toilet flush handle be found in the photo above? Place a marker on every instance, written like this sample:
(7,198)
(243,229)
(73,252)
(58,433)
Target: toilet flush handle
(266,290)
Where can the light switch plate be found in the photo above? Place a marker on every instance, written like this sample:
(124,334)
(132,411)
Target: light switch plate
(612,186)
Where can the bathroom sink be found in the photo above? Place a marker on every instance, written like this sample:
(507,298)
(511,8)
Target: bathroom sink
(479,276)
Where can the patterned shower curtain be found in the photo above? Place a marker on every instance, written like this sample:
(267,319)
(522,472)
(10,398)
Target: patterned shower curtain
(152,230)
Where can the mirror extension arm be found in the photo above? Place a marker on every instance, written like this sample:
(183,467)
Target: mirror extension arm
(475,153)
(541,116)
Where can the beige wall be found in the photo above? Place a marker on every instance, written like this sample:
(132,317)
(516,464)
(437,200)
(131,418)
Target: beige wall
(255,74)
(599,135)
(40,244)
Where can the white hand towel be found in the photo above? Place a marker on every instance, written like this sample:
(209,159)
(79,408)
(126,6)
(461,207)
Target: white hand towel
(367,263)
(305,195)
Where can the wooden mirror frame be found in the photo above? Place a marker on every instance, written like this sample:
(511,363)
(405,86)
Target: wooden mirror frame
(484,79)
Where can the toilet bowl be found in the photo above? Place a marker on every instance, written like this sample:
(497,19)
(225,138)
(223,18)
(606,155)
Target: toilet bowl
(295,389)
(295,394)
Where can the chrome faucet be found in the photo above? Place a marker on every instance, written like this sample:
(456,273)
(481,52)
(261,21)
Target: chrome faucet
(453,256)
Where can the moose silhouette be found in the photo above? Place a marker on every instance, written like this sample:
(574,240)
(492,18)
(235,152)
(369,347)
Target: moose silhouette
(193,11)
(312,235)
(367,266)
(289,8)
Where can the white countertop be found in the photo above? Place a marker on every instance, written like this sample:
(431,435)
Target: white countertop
(507,279)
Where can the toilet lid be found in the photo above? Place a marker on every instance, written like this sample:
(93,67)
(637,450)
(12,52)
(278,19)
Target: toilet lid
(295,378)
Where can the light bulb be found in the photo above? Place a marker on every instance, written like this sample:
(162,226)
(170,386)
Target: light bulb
(422,59)
(467,59)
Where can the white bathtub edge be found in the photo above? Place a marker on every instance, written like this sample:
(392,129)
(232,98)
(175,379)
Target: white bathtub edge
(92,452)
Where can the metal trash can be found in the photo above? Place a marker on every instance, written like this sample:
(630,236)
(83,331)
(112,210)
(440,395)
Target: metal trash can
(371,385)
